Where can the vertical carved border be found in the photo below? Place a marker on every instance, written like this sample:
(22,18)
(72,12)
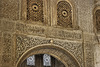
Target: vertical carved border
(89,54)
(7,54)
(23,7)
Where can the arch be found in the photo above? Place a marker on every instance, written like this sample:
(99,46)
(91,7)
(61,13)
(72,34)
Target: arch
(64,14)
(32,10)
(59,53)
(94,17)
(74,12)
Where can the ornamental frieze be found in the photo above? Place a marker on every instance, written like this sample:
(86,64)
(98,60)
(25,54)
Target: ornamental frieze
(48,31)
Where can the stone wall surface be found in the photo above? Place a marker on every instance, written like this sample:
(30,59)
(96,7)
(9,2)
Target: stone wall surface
(12,29)
(9,9)
(85,16)
(97,55)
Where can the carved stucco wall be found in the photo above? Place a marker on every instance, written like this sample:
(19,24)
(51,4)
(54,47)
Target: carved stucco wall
(14,30)
(28,42)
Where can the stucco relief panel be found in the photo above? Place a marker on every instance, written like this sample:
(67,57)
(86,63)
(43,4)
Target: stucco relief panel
(35,10)
(64,14)
(23,43)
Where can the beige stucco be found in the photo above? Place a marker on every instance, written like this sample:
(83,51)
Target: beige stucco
(82,41)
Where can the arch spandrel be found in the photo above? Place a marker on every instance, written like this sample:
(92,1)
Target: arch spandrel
(24,43)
